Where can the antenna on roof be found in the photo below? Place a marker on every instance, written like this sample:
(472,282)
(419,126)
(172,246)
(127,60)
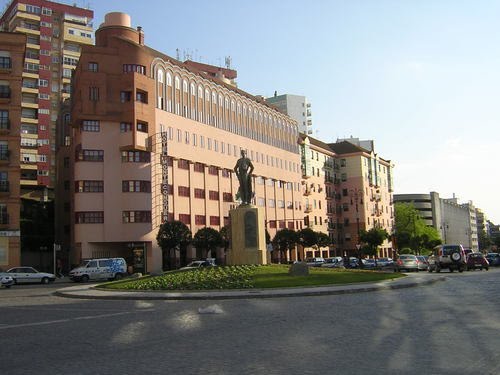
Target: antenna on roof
(227,60)
(178,53)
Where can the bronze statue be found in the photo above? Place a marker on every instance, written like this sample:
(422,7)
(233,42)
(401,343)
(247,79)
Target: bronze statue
(243,170)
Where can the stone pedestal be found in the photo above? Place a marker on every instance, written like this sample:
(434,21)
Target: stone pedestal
(248,236)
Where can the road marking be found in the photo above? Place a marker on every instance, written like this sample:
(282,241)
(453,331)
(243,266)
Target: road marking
(61,320)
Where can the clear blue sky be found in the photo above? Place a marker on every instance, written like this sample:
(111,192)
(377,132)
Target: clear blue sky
(420,77)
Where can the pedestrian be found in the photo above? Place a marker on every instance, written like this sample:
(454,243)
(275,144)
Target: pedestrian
(59,268)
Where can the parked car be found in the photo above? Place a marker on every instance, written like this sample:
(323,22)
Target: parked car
(369,264)
(28,275)
(384,262)
(315,262)
(451,257)
(198,264)
(493,259)
(331,262)
(407,262)
(477,260)
(98,269)
(423,264)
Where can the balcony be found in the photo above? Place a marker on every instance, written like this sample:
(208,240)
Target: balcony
(307,191)
(308,209)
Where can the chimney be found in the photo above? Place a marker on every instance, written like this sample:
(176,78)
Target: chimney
(141,35)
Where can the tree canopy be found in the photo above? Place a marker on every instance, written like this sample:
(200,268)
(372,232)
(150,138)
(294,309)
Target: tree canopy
(173,235)
(285,240)
(207,239)
(411,231)
(373,239)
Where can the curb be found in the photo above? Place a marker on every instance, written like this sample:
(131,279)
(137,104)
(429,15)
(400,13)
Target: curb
(92,292)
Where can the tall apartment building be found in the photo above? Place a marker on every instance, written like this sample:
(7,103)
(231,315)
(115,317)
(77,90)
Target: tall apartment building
(364,194)
(54,35)
(12,51)
(295,106)
(152,138)
(318,189)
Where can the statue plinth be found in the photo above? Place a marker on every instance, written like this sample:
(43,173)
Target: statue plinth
(248,236)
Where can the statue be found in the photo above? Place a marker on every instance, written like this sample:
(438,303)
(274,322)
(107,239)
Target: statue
(243,170)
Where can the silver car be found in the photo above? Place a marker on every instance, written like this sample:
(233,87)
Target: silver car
(29,275)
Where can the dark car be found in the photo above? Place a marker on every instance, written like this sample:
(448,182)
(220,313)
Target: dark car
(407,262)
(477,260)
(493,259)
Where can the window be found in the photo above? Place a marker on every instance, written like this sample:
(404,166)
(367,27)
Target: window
(125,96)
(226,173)
(93,67)
(213,195)
(89,217)
(343,176)
(214,220)
(142,127)
(213,170)
(130,68)
(185,219)
(89,186)
(227,197)
(90,126)
(199,193)
(94,93)
(125,127)
(343,162)
(136,216)
(5,62)
(183,191)
(4,120)
(136,186)
(136,157)
(200,220)
(141,96)
(183,164)
(90,155)
(199,167)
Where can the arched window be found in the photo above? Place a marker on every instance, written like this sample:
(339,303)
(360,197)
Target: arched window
(200,92)
(214,97)
(169,79)
(193,89)
(177,83)
(184,86)
(160,75)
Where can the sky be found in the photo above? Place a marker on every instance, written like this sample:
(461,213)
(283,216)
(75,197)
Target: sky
(419,77)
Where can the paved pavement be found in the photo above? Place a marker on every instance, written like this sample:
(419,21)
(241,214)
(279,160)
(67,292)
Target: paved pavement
(90,291)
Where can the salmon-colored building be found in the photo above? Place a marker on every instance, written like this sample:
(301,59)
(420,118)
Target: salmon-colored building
(365,194)
(152,138)
(12,51)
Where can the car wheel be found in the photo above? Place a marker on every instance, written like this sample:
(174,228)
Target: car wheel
(438,269)
(456,257)
(118,276)
(45,280)
(85,278)
(451,269)
(486,268)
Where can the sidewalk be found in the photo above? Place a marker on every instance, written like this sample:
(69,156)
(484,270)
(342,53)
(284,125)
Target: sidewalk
(89,291)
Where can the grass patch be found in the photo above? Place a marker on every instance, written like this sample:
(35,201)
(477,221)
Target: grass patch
(247,277)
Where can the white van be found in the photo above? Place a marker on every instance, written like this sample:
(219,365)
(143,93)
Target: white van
(98,269)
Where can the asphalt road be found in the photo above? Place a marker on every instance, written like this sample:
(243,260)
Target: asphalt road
(449,327)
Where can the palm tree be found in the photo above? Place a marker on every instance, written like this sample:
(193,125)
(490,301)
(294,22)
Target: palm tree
(284,241)
(173,235)
(207,240)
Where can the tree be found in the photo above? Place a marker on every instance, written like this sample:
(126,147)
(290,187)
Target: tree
(173,235)
(207,240)
(411,230)
(307,237)
(373,239)
(323,239)
(284,241)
